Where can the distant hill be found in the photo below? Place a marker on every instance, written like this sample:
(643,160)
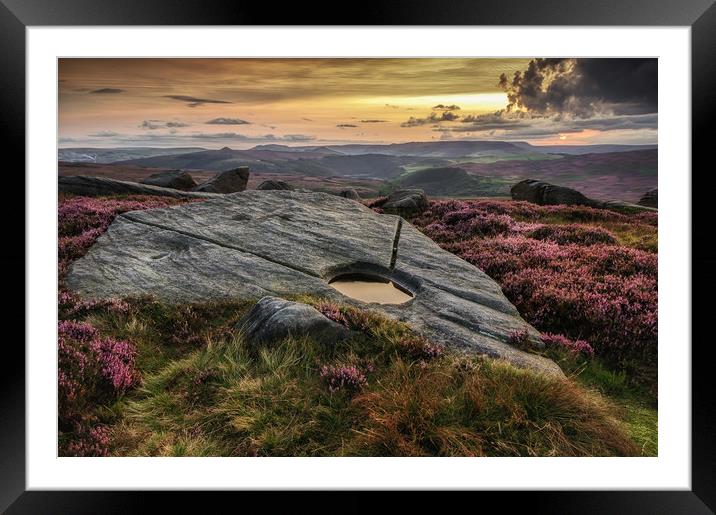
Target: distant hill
(611,175)
(440,149)
(587,149)
(269,159)
(110,155)
(453,182)
(460,149)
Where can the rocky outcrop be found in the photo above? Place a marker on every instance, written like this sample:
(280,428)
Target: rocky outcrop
(350,193)
(273,319)
(650,199)
(546,194)
(625,207)
(274,185)
(175,179)
(406,202)
(230,181)
(280,243)
(97,186)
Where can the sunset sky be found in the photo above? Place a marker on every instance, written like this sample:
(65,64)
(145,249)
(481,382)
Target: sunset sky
(241,103)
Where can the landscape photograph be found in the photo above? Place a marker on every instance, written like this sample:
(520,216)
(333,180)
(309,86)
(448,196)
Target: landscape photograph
(375,257)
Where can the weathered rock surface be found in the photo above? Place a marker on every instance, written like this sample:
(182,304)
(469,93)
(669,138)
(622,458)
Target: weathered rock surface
(176,179)
(546,194)
(274,185)
(650,198)
(273,319)
(277,243)
(349,193)
(406,202)
(95,186)
(230,181)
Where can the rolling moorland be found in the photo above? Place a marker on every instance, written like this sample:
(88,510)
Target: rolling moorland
(476,168)
(143,377)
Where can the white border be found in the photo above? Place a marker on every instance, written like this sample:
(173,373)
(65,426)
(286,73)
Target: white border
(670,470)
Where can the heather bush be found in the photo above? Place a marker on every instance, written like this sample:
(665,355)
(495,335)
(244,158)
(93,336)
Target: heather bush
(88,441)
(577,347)
(571,278)
(92,371)
(72,306)
(573,233)
(341,377)
(418,347)
(520,339)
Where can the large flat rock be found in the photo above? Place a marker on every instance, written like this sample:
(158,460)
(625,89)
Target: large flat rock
(280,243)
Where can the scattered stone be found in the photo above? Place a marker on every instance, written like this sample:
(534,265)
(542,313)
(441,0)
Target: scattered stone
(98,186)
(176,179)
(350,193)
(273,319)
(274,185)
(545,194)
(650,199)
(279,243)
(406,202)
(230,181)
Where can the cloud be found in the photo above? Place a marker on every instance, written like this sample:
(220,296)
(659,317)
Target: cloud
(443,107)
(346,125)
(227,121)
(445,116)
(306,119)
(373,121)
(194,101)
(511,125)
(105,91)
(104,134)
(243,137)
(584,87)
(159,124)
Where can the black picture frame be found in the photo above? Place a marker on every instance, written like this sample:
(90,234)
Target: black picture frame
(700,15)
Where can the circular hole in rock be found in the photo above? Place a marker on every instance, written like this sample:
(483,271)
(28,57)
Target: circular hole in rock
(370,288)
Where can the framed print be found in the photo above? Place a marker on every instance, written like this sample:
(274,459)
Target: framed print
(422,252)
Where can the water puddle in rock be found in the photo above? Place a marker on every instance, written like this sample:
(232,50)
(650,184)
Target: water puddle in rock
(370,289)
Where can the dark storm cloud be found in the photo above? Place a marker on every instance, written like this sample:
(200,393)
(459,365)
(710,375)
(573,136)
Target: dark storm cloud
(584,87)
(194,101)
(346,126)
(524,126)
(445,116)
(105,91)
(227,121)
(443,107)
(373,121)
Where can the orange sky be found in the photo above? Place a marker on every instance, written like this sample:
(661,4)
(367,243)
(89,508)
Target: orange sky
(240,103)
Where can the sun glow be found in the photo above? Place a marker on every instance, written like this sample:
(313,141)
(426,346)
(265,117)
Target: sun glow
(474,102)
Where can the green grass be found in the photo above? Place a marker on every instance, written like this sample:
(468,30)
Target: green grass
(207,392)
(637,404)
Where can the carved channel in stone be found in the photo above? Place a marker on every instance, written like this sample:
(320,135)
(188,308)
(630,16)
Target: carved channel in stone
(371,288)
(396,241)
